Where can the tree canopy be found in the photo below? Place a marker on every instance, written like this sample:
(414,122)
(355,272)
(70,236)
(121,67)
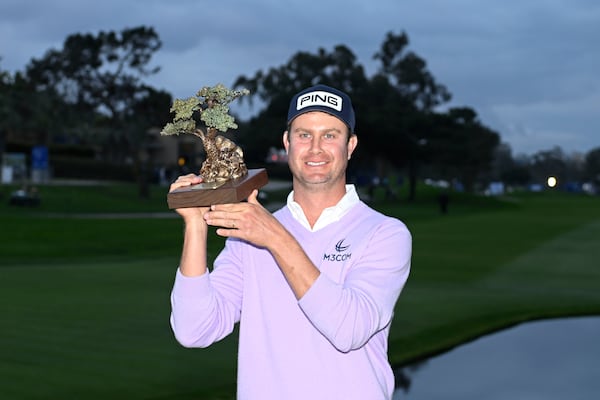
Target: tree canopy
(396,109)
(92,89)
(101,76)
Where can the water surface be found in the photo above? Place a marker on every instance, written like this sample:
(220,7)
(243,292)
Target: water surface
(545,360)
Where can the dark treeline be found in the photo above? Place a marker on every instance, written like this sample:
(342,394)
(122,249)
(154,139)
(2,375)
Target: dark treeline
(397,125)
(92,92)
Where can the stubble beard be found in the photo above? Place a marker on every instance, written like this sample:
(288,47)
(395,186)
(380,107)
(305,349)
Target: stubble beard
(318,182)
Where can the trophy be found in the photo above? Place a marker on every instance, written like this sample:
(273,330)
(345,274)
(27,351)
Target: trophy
(224,174)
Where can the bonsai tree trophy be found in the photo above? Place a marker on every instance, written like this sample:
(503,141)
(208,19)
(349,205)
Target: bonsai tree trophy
(225,176)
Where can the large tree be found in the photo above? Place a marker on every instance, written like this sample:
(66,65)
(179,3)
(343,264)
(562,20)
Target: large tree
(460,146)
(592,166)
(100,75)
(397,111)
(508,170)
(406,93)
(27,114)
(546,163)
(408,74)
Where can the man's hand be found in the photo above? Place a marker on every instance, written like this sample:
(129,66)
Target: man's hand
(253,223)
(193,256)
(192,212)
(249,221)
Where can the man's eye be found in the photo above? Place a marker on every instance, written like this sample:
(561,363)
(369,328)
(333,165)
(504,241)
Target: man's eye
(304,136)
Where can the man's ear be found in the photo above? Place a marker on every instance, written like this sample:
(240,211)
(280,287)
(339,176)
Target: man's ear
(286,142)
(352,143)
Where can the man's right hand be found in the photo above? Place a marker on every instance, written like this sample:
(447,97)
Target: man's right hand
(191,213)
(193,256)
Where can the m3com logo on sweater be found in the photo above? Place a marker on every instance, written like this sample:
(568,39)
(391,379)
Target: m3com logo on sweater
(340,254)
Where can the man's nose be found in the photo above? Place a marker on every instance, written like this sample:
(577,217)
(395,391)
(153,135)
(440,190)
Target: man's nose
(315,144)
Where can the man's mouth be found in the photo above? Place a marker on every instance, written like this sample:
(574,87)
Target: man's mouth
(315,163)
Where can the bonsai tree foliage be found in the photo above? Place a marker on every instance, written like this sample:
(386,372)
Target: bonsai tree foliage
(224,159)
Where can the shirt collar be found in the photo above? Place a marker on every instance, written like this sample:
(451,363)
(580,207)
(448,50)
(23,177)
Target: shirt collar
(329,215)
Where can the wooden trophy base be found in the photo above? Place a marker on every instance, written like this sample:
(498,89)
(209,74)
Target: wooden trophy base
(207,194)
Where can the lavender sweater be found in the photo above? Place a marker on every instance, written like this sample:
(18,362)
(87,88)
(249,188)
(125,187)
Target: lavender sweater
(332,343)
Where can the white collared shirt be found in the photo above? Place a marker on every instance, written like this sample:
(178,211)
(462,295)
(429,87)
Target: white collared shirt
(329,215)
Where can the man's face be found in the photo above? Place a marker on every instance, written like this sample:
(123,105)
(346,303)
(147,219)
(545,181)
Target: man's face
(318,149)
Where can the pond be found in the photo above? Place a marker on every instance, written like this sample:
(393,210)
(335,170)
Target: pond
(549,360)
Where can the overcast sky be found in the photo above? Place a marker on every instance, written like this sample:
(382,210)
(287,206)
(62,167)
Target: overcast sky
(530,68)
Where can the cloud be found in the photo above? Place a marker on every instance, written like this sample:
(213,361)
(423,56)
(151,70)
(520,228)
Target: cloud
(572,122)
(520,65)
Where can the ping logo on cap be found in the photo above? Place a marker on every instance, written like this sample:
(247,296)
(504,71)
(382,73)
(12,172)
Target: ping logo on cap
(319,98)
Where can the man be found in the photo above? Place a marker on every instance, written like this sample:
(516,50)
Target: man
(313,285)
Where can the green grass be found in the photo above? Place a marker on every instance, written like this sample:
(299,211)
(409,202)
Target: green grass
(100,330)
(475,274)
(85,301)
(107,198)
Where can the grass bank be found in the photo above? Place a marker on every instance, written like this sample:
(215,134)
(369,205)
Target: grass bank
(85,300)
(475,274)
